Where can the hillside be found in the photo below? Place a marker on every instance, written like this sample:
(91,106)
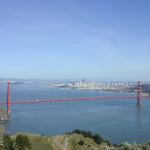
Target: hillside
(71,142)
(65,142)
(76,140)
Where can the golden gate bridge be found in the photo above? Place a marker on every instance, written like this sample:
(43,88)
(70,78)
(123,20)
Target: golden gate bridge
(9,103)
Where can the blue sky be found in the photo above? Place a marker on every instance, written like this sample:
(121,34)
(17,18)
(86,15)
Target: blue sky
(67,39)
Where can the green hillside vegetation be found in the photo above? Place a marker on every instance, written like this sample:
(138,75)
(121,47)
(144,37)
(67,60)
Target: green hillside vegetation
(76,140)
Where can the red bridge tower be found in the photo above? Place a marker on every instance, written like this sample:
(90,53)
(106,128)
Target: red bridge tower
(139,89)
(8,98)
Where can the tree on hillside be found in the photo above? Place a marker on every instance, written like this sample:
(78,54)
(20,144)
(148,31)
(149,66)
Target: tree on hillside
(22,142)
(8,143)
(98,139)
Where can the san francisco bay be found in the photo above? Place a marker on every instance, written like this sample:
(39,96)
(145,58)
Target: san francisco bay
(117,120)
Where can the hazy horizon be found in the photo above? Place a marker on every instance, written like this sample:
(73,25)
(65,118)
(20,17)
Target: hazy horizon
(70,79)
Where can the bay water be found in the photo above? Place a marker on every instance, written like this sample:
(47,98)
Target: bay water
(116,120)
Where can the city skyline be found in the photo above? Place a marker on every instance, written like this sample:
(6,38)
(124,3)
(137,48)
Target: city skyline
(75,39)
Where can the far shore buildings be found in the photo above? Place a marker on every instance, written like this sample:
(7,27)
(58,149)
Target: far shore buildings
(93,85)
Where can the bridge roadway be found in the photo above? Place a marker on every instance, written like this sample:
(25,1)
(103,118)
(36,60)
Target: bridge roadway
(38,101)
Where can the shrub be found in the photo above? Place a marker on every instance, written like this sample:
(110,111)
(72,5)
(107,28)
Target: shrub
(81,142)
(98,139)
(83,132)
(77,131)
(22,142)
(8,143)
(107,142)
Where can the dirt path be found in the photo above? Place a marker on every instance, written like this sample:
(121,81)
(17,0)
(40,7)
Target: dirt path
(66,144)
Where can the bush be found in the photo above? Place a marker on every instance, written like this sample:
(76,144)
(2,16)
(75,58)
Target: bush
(107,142)
(87,134)
(83,132)
(22,142)
(77,131)
(81,142)
(8,143)
(98,139)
